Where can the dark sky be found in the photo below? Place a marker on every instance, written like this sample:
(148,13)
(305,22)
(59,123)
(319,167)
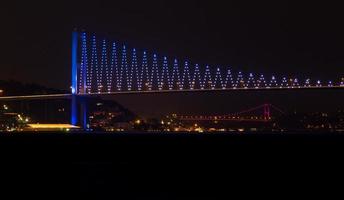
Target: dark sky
(280,37)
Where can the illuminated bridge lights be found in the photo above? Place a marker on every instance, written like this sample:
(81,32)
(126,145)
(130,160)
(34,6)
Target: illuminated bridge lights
(94,64)
(84,81)
(134,71)
(104,68)
(296,83)
(229,80)
(197,79)
(110,68)
(165,77)
(330,84)
(307,83)
(251,83)
(113,67)
(261,82)
(144,79)
(273,82)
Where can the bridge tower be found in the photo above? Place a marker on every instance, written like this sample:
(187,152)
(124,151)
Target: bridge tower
(74,87)
(79,104)
(267,113)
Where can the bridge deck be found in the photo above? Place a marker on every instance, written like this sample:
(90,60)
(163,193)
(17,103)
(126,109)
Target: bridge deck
(63,96)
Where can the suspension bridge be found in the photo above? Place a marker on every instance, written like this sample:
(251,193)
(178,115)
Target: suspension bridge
(104,67)
(249,115)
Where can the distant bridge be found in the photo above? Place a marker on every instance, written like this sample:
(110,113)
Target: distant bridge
(239,116)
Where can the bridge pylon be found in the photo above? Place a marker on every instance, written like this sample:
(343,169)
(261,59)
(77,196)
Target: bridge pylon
(267,113)
(74,80)
(79,116)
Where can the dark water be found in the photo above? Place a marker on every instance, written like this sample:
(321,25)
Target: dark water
(162,166)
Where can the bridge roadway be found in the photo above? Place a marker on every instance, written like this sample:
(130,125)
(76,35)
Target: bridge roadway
(33,97)
(64,96)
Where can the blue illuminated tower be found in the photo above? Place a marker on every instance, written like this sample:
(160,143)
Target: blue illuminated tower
(76,101)
(74,87)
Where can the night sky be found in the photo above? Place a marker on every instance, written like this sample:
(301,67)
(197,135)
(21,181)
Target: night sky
(279,37)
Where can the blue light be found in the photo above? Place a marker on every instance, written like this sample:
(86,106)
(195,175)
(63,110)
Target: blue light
(186,75)
(229,83)
(75,37)
(154,71)
(134,69)
(196,77)
(83,75)
(145,70)
(74,111)
(165,73)
(176,75)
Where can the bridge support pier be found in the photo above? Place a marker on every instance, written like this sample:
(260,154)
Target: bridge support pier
(79,112)
(74,111)
(84,120)
(267,114)
(79,105)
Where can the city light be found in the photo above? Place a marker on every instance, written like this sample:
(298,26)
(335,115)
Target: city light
(52,126)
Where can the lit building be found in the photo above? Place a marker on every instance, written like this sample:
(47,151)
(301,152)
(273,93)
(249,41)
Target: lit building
(12,122)
(109,116)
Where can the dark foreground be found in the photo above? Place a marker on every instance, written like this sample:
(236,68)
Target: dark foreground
(157,166)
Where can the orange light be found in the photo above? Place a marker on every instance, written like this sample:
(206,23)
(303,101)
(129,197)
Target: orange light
(52,126)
